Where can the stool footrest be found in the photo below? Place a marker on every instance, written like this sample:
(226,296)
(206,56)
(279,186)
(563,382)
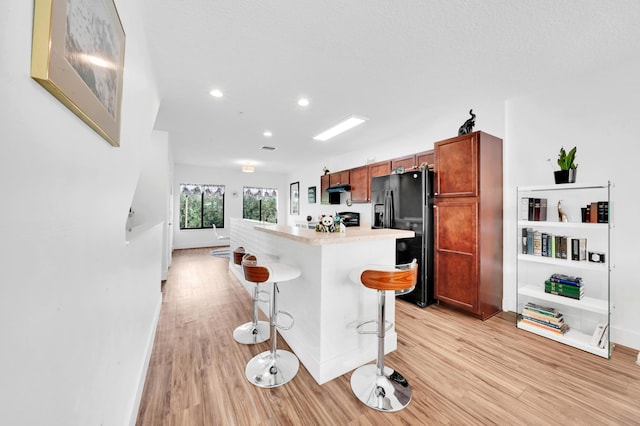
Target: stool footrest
(283,327)
(387,327)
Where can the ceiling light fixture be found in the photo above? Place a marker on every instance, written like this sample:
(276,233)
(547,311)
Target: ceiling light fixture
(247,169)
(216,93)
(303,102)
(341,127)
(267,134)
(268,148)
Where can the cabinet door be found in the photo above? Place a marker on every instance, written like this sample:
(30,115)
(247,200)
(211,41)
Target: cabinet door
(408,162)
(324,184)
(359,180)
(427,157)
(382,168)
(338,178)
(457,166)
(456,276)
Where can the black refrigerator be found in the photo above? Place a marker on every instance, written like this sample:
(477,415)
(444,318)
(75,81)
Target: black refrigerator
(405,201)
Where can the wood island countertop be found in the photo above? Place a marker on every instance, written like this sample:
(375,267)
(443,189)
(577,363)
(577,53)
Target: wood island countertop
(352,234)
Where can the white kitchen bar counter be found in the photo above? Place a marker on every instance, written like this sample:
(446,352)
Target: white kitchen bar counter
(325,303)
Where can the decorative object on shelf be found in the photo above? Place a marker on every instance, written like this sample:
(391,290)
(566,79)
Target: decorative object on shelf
(467,126)
(325,170)
(562,216)
(568,168)
(309,218)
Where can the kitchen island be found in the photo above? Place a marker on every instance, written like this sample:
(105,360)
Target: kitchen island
(326,305)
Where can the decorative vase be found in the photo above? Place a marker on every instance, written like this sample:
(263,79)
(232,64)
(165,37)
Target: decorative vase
(565,176)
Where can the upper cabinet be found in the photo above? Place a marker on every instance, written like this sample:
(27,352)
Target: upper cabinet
(359,180)
(457,166)
(426,157)
(339,178)
(408,162)
(381,168)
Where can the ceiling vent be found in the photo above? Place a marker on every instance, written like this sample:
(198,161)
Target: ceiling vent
(268,148)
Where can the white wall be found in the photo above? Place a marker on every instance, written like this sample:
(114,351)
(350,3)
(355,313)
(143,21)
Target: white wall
(234,181)
(78,305)
(596,112)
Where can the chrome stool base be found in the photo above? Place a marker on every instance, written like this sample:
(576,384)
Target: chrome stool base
(248,333)
(266,371)
(388,392)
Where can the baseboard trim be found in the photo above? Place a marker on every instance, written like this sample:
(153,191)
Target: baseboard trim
(145,367)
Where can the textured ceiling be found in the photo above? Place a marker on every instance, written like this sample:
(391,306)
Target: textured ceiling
(388,60)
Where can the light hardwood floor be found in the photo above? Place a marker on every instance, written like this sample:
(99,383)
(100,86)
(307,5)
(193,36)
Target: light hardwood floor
(462,370)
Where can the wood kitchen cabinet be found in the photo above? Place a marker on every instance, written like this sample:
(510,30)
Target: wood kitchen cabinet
(426,157)
(381,168)
(339,178)
(468,223)
(359,180)
(408,162)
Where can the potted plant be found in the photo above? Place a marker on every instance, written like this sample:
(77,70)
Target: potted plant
(568,168)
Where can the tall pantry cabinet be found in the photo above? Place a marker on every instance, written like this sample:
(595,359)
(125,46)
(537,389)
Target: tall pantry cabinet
(468,223)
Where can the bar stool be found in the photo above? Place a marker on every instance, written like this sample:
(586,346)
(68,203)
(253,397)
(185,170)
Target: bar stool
(238,253)
(277,366)
(376,385)
(254,331)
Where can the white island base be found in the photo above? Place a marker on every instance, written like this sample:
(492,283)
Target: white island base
(326,305)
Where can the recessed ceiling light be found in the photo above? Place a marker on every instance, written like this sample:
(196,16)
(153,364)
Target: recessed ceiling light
(267,134)
(341,127)
(216,93)
(303,102)
(247,169)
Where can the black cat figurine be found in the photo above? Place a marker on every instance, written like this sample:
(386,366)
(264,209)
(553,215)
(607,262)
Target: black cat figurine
(467,127)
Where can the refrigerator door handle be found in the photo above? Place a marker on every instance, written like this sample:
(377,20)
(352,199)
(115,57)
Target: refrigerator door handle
(388,208)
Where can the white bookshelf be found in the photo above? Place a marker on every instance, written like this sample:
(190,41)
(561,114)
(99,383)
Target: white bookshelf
(582,316)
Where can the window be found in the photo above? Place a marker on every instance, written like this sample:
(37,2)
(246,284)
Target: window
(260,204)
(201,206)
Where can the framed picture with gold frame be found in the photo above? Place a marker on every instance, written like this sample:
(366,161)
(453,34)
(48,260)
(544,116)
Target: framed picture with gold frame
(77,54)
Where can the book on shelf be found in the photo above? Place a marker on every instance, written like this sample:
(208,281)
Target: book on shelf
(593,212)
(524,208)
(558,331)
(603,212)
(565,290)
(537,243)
(578,249)
(536,209)
(566,279)
(543,317)
(525,244)
(545,310)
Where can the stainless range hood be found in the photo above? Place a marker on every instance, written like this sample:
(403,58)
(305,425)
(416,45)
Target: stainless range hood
(339,188)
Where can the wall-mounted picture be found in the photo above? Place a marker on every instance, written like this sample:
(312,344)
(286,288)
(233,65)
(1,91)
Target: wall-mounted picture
(312,194)
(77,54)
(294,197)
